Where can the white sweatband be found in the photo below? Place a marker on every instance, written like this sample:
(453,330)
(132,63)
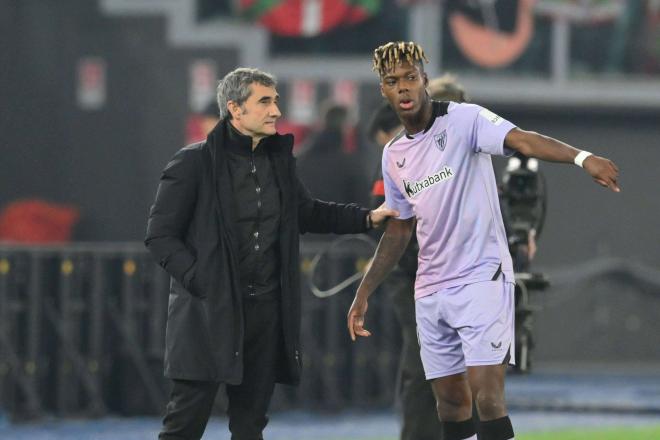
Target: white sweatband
(581,156)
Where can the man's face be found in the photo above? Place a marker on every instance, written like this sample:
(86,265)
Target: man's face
(404,87)
(257,116)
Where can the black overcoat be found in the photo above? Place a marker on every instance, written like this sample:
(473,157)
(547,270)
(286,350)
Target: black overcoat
(190,233)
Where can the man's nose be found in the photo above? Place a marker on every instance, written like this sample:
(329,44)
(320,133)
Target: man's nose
(275,111)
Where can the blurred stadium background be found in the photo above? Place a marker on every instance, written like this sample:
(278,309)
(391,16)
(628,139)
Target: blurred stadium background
(98,94)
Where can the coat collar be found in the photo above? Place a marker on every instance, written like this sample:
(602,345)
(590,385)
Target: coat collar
(278,146)
(224,135)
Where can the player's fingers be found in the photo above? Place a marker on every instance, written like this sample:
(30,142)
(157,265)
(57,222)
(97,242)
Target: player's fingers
(601,182)
(350,327)
(614,185)
(390,213)
(349,323)
(358,327)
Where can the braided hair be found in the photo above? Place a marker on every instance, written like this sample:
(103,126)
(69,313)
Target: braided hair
(396,52)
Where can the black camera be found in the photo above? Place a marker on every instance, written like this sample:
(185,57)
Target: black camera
(523,202)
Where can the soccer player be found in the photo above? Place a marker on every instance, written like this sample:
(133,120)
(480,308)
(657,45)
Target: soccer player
(438,173)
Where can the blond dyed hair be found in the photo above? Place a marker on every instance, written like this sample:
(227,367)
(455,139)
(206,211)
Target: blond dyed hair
(394,53)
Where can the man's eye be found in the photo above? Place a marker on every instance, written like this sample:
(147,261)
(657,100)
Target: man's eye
(411,77)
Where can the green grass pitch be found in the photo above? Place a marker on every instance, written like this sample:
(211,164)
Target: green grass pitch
(618,433)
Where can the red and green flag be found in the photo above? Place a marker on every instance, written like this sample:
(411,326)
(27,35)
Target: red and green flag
(306,18)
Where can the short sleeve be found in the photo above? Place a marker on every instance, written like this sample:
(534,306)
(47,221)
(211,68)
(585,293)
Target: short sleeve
(393,197)
(489,132)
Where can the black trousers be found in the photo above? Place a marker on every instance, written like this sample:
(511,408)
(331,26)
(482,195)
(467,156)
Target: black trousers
(191,402)
(414,393)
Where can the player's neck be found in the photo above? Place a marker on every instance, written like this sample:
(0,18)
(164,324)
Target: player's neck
(419,121)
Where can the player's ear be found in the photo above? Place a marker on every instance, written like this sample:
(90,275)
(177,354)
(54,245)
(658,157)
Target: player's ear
(382,93)
(426,79)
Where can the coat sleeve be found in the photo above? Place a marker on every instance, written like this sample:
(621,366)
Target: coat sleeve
(170,216)
(323,217)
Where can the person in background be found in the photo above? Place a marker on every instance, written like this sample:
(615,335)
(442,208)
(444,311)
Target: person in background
(209,117)
(325,168)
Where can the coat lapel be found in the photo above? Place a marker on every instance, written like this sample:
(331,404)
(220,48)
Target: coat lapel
(222,186)
(280,157)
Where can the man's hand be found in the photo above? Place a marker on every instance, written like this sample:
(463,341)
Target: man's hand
(604,171)
(380,215)
(356,318)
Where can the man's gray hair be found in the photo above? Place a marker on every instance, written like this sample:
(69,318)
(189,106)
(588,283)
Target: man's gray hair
(235,86)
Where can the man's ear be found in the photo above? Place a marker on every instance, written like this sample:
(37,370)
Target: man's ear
(234,109)
(382,93)
(426,79)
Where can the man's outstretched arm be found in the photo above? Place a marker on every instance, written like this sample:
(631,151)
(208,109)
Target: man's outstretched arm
(390,249)
(532,144)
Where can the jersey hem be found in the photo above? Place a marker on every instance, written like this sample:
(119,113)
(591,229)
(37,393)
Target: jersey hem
(481,277)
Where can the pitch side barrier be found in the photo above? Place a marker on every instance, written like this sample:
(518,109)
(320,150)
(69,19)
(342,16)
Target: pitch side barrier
(82,330)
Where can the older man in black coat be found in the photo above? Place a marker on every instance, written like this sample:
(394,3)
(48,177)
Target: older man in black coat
(225,225)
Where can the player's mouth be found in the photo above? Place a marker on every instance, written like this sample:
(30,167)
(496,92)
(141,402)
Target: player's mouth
(406,104)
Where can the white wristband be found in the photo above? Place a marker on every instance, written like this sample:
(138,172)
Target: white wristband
(581,156)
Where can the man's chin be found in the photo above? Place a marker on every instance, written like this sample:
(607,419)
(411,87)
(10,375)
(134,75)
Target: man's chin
(407,112)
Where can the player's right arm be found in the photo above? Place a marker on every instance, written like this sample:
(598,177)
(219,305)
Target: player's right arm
(390,249)
(532,144)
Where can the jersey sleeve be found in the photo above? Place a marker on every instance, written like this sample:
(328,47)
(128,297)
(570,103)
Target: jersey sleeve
(489,131)
(394,199)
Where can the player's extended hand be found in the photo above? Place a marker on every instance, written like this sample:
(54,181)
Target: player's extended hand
(356,318)
(603,170)
(380,215)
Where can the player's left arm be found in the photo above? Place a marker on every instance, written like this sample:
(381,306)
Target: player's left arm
(532,144)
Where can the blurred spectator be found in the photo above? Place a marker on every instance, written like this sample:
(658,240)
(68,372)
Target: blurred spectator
(325,168)
(209,117)
(37,221)
(447,88)
(200,124)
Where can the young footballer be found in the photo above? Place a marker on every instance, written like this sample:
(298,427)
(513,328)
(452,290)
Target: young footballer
(438,174)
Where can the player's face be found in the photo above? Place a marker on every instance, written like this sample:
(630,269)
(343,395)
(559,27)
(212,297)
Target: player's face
(404,87)
(257,116)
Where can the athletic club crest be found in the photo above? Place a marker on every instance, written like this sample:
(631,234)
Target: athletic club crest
(441,140)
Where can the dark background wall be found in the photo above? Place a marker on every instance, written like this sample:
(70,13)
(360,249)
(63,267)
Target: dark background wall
(107,162)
